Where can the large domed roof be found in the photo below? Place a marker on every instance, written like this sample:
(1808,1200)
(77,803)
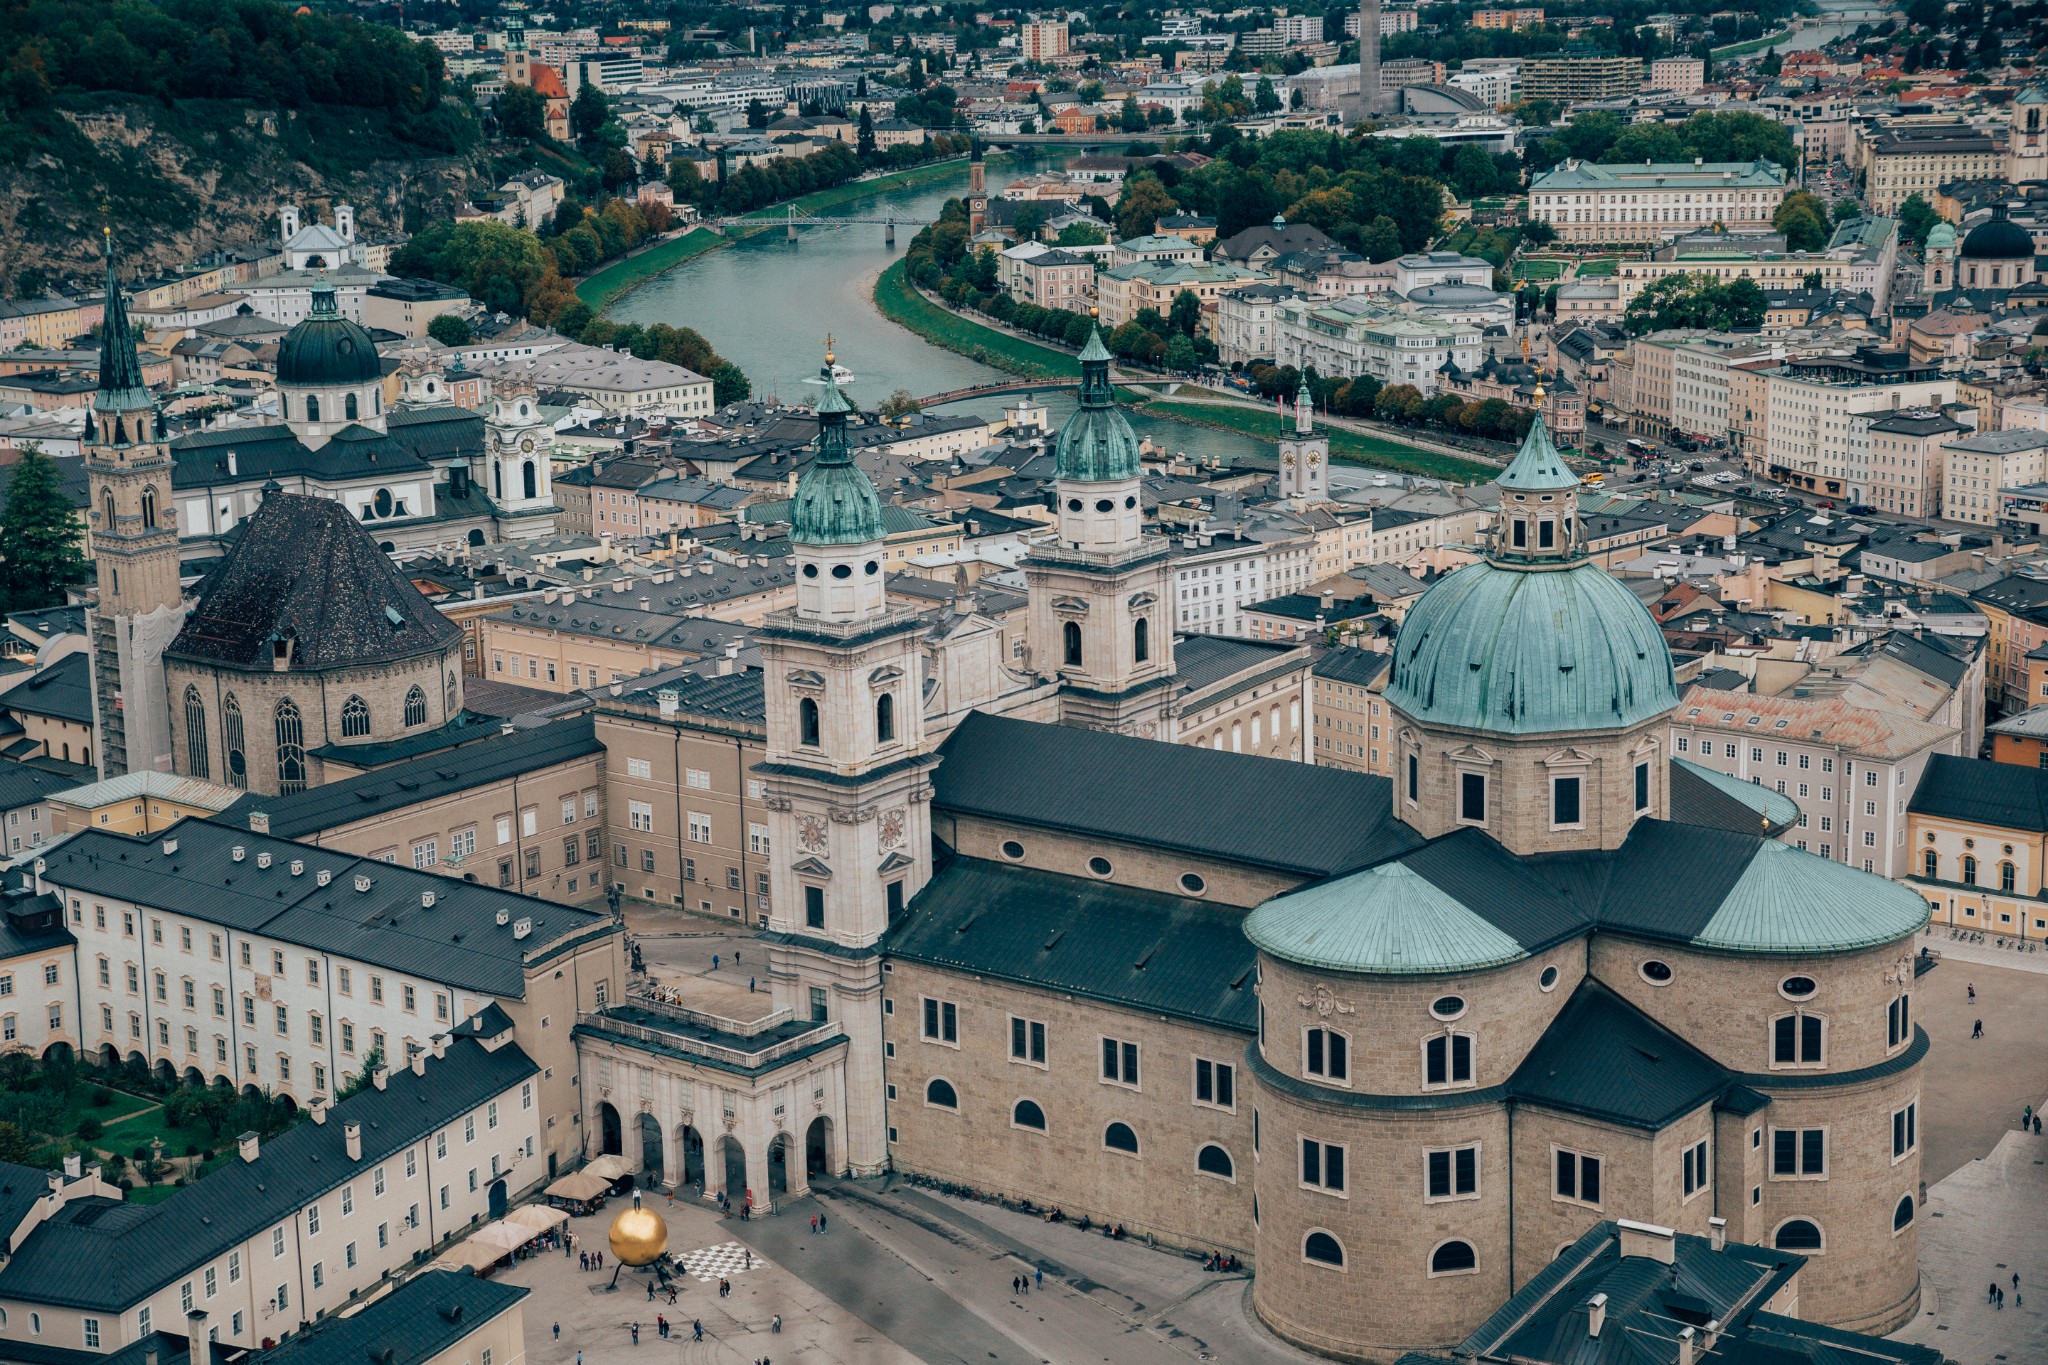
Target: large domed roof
(327,350)
(1522,651)
(836,502)
(1998,238)
(1097,444)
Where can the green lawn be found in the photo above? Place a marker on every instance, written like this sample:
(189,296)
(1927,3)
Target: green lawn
(1538,270)
(621,276)
(1599,268)
(1379,451)
(905,307)
(860,189)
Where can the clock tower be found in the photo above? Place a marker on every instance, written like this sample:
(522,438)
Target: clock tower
(519,448)
(1304,456)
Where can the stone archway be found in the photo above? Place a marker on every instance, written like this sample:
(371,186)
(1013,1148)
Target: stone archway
(734,1159)
(611,1134)
(652,1159)
(691,1143)
(780,1153)
(818,1148)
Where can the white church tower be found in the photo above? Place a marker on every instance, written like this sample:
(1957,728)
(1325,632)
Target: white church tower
(1304,456)
(519,448)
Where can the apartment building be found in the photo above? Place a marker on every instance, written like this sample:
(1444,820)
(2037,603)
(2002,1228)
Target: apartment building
(1908,159)
(1351,723)
(1590,204)
(1127,290)
(1356,335)
(1508,18)
(1216,576)
(1979,845)
(1979,467)
(1811,441)
(1679,75)
(1042,40)
(1575,79)
(1908,463)
(1860,257)
(1244,322)
(1850,770)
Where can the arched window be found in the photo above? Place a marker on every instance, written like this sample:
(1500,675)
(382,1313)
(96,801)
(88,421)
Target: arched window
(312,409)
(1326,1053)
(529,480)
(941,1093)
(107,507)
(291,749)
(1902,1216)
(348,407)
(1213,1160)
(1141,640)
(449,700)
(1447,1060)
(1453,1258)
(231,741)
(1118,1137)
(1798,1235)
(415,707)
(1071,635)
(1930,865)
(807,723)
(1321,1246)
(2007,877)
(355,718)
(195,733)
(149,509)
(885,718)
(1969,870)
(1027,1114)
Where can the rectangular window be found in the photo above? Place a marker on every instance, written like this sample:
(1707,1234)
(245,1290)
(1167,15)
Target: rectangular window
(1905,1130)
(1796,1040)
(1452,1173)
(639,767)
(1693,1177)
(1578,1177)
(1027,1041)
(700,828)
(814,907)
(1414,778)
(212,1282)
(1799,1153)
(1119,1062)
(1215,1083)
(284,1023)
(1472,797)
(92,1333)
(1322,1166)
(941,1021)
(640,815)
(1564,801)
(234,1267)
(757,839)
(697,777)
(1448,1060)
(1642,786)
(1899,1020)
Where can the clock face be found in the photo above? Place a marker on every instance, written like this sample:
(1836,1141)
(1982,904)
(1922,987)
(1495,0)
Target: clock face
(1314,459)
(1287,460)
(526,443)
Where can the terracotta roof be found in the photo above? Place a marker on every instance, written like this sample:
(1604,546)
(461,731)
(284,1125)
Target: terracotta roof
(1809,720)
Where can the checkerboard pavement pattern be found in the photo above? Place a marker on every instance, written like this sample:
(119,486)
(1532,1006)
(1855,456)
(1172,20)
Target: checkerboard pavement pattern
(723,1261)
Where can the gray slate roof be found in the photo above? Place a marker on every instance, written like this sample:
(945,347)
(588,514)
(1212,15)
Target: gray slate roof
(2006,795)
(428,1314)
(63,691)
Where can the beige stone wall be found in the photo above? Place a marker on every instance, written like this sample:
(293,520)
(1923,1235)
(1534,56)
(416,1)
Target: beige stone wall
(1158,1192)
(685,874)
(581,978)
(1138,865)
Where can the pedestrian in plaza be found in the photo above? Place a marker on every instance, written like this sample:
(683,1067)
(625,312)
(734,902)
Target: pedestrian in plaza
(1016,1284)
(636,1334)
(558,1331)
(696,1330)
(650,1291)
(750,1261)
(2015,1280)
(750,985)
(1973,992)
(775,1325)
(1038,1274)
(1977,1029)
(2037,1125)
(821,1224)
(814,1225)
(584,1260)
(1991,1292)
(1027,1285)
(714,962)
(671,1296)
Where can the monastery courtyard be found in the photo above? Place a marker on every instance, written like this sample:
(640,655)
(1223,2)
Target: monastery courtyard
(905,1276)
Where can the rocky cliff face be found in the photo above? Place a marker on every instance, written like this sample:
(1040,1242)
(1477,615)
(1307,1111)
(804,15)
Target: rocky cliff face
(180,183)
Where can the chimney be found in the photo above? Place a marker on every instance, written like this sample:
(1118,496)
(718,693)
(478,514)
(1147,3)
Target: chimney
(1685,1347)
(419,1063)
(149,1356)
(263,858)
(1717,1233)
(74,1165)
(426,900)
(251,1146)
(1648,1240)
(380,1076)
(316,1109)
(298,866)
(362,881)
(522,927)
(440,1046)
(668,700)
(322,877)
(238,853)
(1596,1314)
(170,847)
(352,1139)
(95,1171)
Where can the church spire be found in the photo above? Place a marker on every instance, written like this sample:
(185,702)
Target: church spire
(1304,408)
(1096,445)
(121,386)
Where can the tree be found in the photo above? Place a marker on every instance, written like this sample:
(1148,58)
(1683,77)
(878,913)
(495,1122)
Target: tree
(1129,117)
(864,137)
(16,1145)
(1142,204)
(1030,220)
(1846,211)
(450,329)
(1297,99)
(757,115)
(1803,219)
(1690,300)
(1180,353)
(523,113)
(729,384)
(1380,241)
(1081,234)
(899,404)
(39,536)
(588,113)
(1917,218)
(1185,315)
(1265,99)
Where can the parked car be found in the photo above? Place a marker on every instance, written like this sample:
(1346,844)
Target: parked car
(1862,509)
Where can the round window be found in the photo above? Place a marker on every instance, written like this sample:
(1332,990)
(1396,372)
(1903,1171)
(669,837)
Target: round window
(1073,504)
(1130,503)
(873,568)
(842,570)
(1012,849)
(1100,866)
(1657,973)
(1105,504)
(1797,987)
(1547,981)
(1447,1006)
(1969,843)
(810,571)
(1192,884)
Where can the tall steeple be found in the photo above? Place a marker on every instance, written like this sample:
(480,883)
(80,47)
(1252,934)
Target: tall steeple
(836,521)
(1305,456)
(135,551)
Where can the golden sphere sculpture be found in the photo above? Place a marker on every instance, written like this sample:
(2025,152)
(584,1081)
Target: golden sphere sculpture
(638,1236)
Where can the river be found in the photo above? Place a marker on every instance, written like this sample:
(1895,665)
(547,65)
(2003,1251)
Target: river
(1839,18)
(767,304)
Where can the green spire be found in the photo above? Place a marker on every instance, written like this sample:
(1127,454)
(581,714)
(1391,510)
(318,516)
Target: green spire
(121,386)
(1537,467)
(1096,445)
(835,504)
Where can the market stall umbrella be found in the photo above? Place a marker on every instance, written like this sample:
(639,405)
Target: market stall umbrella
(472,1255)
(506,1235)
(580,1186)
(539,1217)
(610,1166)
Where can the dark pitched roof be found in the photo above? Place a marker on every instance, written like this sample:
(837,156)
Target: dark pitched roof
(456,941)
(1696,801)
(1235,807)
(430,778)
(1170,954)
(415,1322)
(1982,792)
(63,691)
(104,1254)
(1603,1058)
(305,570)
(437,433)
(1352,665)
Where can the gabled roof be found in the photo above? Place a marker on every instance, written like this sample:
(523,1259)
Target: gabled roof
(1603,1058)
(63,691)
(429,1314)
(1978,791)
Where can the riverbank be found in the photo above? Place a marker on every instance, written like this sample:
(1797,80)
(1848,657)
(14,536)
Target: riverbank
(1353,447)
(899,302)
(1743,49)
(623,276)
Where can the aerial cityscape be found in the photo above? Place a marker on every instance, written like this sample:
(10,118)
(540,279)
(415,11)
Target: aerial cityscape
(925,683)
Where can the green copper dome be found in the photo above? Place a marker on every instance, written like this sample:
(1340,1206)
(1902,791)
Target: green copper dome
(1387,919)
(1537,467)
(836,502)
(1530,651)
(326,350)
(1096,445)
